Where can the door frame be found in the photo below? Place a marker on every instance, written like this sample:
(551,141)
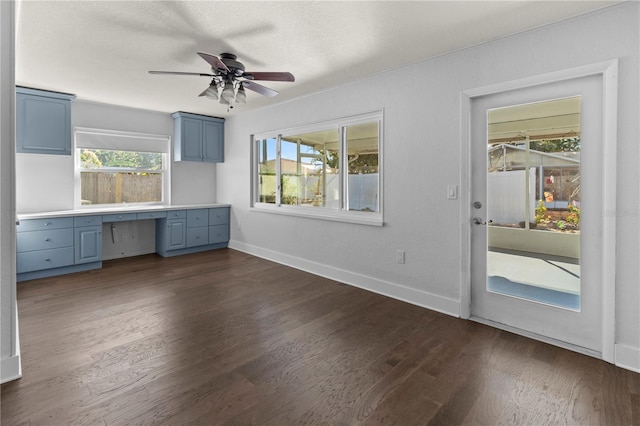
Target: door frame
(608,70)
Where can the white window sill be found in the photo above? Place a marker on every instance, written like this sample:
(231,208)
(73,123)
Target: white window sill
(361,218)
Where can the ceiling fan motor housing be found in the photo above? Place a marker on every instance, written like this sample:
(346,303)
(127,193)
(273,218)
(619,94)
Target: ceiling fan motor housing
(236,67)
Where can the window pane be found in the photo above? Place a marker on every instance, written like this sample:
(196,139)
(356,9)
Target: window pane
(289,172)
(128,176)
(362,145)
(310,169)
(266,170)
(116,187)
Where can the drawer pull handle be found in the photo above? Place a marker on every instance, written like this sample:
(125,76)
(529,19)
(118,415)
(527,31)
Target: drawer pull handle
(152,215)
(47,223)
(47,260)
(46,240)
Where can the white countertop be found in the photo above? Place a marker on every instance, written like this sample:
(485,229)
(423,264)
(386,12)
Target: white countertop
(115,210)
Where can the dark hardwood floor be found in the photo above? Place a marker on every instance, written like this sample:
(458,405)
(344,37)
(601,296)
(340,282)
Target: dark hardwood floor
(226,338)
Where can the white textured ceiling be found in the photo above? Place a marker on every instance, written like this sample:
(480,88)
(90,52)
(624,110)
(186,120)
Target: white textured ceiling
(102,50)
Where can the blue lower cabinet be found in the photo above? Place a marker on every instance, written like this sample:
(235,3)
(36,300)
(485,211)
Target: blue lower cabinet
(57,246)
(219,216)
(44,240)
(62,245)
(88,244)
(171,234)
(119,217)
(218,234)
(41,260)
(176,234)
(197,236)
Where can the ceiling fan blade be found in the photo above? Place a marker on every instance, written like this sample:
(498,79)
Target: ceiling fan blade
(181,73)
(258,88)
(271,76)
(214,61)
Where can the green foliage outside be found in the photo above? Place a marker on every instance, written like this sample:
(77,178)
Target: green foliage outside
(541,211)
(556,145)
(574,214)
(102,158)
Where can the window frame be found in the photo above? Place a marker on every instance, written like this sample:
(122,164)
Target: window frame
(135,142)
(342,214)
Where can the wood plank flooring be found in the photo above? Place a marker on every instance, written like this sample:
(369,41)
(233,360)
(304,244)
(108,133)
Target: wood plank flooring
(224,338)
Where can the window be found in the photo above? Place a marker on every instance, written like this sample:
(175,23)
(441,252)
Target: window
(330,170)
(118,167)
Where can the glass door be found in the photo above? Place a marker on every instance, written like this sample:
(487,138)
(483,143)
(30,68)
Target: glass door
(536,188)
(533,201)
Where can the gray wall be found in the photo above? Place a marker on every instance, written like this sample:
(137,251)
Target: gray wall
(422,140)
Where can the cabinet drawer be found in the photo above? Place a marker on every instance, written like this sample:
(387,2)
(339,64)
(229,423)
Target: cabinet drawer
(41,240)
(219,216)
(120,217)
(151,215)
(44,259)
(177,214)
(197,236)
(197,218)
(42,224)
(87,221)
(218,234)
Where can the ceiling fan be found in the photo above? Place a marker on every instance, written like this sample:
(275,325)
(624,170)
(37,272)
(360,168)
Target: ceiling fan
(229,79)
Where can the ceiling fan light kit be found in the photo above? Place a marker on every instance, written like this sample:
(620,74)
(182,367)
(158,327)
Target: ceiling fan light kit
(212,91)
(229,79)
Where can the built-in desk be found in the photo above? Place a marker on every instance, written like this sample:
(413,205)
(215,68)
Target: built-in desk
(62,242)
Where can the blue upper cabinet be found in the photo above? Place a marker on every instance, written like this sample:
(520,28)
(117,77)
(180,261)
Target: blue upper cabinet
(198,138)
(43,122)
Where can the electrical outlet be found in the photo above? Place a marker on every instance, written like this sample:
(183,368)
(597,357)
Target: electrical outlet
(400,256)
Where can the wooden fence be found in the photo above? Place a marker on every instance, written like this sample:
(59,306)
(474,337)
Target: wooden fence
(115,188)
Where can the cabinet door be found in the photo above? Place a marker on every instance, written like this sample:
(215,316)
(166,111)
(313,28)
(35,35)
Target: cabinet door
(176,237)
(88,247)
(213,141)
(43,125)
(191,139)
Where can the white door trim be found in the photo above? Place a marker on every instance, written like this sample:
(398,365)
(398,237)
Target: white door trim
(609,72)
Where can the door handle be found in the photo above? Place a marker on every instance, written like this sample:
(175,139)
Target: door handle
(478,221)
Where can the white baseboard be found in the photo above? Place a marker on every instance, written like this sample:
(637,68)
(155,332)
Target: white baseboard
(628,357)
(10,369)
(386,288)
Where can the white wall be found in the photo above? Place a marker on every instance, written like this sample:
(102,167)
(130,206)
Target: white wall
(422,142)
(46,182)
